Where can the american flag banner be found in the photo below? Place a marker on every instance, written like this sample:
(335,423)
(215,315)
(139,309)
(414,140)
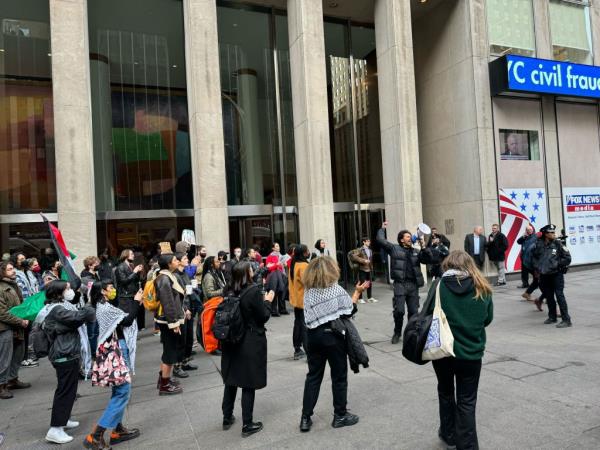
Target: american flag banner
(518,208)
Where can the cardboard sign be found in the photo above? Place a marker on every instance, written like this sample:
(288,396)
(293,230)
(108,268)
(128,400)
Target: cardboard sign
(165,248)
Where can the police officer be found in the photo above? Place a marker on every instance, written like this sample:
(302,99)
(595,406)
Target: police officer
(406,272)
(550,260)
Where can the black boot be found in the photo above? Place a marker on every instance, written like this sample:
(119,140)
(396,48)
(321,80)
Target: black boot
(305,423)
(251,428)
(122,434)
(347,420)
(228,422)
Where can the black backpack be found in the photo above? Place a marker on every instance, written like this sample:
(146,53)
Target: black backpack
(229,324)
(417,329)
(40,340)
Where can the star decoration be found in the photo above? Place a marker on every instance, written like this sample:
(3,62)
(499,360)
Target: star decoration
(540,195)
(536,207)
(523,207)
(532,218)
(513,195)
(526,195)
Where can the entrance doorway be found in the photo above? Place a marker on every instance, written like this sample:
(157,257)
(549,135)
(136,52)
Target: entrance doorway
(350,227)
(247,232)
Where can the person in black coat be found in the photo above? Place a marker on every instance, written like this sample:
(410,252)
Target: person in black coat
(244,365)
(128,280)
(475,246)
(497,244)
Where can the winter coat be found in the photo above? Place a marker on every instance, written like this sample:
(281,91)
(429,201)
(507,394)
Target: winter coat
(401,257)
(359,256)
(212,285)
(169,293)
(62,325)
(128,282)
(357,354)
(296,286)
(527,244)
(245,364)
(496,246)
(470,247)
(10,296)
(550,258)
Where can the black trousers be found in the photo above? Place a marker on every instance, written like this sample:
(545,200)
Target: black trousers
(406,292)
(67,376)
(323,346)
(362,277)
(141,318)
(278,303)
(248,395)
(188,337)
(457,413)
(525,272)
(299,333)
(552,287)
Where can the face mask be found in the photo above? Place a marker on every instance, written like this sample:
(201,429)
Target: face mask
(203,254)
(37,269)
(111,295)
(69,295)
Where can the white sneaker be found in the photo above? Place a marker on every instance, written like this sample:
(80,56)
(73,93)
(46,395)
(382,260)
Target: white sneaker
(71,424)
(373,300)
(58,436)
(360,300)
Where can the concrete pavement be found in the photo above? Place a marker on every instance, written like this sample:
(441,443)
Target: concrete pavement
(539,388)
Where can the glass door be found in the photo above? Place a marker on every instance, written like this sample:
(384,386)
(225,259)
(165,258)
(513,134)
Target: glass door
(247,232)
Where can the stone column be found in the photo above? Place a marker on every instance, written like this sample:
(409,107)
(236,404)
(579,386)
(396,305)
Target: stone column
(311,129)
(76,205)
(206,124)
(595,25)
(541,17)
(398,115)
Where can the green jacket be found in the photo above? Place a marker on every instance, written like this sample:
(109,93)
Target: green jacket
(466,316)
(9,297)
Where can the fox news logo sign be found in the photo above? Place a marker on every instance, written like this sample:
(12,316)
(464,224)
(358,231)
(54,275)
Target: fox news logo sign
(577,203)
(519,73)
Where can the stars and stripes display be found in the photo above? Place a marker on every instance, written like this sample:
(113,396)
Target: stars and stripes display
(519,208)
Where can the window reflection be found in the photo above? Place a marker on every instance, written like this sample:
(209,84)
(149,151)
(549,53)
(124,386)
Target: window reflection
(27,171)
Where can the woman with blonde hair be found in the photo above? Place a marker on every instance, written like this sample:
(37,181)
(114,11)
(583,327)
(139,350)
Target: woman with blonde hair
(324,302)
(466,298)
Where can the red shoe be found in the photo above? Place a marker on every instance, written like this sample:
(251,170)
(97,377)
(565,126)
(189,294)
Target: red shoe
(169,388)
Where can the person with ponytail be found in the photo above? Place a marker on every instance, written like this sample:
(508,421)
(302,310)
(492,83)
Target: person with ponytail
(466,299)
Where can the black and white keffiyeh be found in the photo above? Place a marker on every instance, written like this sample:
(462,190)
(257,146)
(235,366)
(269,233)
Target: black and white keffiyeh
(324,305)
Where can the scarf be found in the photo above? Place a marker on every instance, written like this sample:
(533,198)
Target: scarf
(460,274)
(109,317)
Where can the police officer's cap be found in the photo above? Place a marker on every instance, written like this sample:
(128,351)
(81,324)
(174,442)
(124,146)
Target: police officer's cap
(550,228)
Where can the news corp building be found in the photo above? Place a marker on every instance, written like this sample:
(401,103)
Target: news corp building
(251,122)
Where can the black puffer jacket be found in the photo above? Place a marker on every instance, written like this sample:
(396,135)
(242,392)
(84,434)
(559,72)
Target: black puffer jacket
(550,258)
(497,246)
(61,325)
(357,354)
(128,282)
(400,258)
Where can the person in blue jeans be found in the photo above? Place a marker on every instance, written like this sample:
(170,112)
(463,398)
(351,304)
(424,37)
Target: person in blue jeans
(112,320)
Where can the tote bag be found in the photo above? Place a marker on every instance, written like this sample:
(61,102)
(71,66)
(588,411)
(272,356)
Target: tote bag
(109,367)
(440,341)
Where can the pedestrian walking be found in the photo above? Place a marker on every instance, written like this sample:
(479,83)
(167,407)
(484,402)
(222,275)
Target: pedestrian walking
(526,242)
(406,272)
(170,318)
(296,289)
(244,365)
(496,247)
(61,321)
(475,246)
(111,321)
(325,301)
(551,259)
(466,299)
(12,343)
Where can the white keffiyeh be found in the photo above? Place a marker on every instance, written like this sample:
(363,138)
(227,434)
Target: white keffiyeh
(324,305)
(109,317)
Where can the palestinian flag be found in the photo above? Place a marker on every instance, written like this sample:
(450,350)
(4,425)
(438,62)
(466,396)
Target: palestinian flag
(64,255)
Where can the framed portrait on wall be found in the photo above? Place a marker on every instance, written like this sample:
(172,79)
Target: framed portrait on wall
(521,145)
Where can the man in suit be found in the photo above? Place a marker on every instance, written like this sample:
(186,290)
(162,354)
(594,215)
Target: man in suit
(475,246)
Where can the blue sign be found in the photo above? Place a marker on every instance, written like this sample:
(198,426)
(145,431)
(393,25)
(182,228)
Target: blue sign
(522,74)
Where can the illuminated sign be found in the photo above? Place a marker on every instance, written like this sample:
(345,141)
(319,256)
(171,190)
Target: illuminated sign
(513,73)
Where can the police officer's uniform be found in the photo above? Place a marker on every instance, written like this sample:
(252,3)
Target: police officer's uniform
(550,260)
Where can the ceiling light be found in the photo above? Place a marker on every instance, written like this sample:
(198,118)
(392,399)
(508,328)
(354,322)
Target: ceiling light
(1,49)
(174,66)
(423,1)
(332,4)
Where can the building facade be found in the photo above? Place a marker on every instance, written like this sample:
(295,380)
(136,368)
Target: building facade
(253,122)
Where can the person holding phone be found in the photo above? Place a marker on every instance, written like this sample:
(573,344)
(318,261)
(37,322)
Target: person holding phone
(244,365)
(170,317)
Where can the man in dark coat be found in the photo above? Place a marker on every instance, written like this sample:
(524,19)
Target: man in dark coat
(406,272)
(497,244)
(475,246)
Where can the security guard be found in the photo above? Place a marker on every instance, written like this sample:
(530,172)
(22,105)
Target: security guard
(550,260)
